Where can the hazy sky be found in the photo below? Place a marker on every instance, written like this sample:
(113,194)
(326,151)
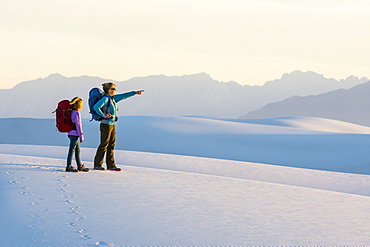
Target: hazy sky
(247,41)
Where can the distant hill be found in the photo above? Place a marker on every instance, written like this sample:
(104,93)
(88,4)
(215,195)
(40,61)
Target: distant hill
(350,105)
(196,95)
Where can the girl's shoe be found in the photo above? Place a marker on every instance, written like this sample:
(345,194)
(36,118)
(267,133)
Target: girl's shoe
(83,169)
(71,169)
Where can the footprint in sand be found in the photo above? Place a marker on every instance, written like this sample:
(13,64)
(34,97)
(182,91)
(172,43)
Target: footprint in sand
(35,203)
(68,196)
(44,210)
(33,226)
(36,230)
(38,219)
(84,235)
(71,224)
(102,243)
(24,190)
(79,218)
(73,211)
(34,215)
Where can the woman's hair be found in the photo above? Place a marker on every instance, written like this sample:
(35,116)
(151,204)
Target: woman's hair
(76,103)
(107,86)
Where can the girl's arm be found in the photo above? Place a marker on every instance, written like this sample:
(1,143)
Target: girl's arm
(76,118)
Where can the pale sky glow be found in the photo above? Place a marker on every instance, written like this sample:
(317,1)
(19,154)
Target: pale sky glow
(246,41)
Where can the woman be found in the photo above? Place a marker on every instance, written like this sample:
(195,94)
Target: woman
(74,135)
(107,108)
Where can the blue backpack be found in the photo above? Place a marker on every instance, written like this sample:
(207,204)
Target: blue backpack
(95,95)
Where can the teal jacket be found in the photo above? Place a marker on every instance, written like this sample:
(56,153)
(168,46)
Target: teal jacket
(101,106)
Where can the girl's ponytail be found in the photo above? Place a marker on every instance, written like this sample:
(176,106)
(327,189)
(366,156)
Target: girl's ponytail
(76,103)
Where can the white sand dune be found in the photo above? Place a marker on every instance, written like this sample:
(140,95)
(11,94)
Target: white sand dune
(170,199)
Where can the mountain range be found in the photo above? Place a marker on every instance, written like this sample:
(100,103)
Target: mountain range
(350,105)
(194,95)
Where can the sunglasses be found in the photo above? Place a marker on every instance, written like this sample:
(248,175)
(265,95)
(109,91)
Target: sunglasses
(112,88)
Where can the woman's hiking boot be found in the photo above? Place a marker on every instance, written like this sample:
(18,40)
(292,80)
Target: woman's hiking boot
(115,169)
(99,168)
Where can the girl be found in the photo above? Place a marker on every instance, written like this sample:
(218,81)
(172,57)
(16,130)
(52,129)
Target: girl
(73,135)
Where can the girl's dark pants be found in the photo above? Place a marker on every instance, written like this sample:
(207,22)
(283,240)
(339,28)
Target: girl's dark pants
(107,143)
(74,147)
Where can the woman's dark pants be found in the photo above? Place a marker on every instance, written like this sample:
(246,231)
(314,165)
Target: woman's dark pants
(107,144)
